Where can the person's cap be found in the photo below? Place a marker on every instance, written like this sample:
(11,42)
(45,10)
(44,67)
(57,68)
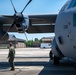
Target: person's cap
(10,43)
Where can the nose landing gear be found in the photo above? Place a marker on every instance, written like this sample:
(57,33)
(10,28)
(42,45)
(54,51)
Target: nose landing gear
(54,59)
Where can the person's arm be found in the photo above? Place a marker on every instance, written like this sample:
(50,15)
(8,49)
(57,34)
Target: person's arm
(8,54)
(14,52)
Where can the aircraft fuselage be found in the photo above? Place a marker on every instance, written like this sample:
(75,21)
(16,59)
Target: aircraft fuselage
(65,31)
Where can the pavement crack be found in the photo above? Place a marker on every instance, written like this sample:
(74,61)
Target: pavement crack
(18,72)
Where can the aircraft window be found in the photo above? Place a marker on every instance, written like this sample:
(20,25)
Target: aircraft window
(74,20)
(71,3)
(74,3)
(64,7)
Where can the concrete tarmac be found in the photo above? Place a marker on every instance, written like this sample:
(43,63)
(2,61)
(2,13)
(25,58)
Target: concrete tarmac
(35,61)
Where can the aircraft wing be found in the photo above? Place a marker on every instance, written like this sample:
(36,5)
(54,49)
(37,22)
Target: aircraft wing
(38,23)
(42,23)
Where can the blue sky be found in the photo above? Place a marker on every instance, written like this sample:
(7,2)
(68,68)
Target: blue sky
(35,7)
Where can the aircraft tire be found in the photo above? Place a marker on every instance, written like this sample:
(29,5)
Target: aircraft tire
(51,55)
(56,60)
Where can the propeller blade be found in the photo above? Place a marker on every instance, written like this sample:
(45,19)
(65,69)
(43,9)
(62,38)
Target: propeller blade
(26,6)
(13,6)
(8,30)
(26,36)
(24,33)
(12,25)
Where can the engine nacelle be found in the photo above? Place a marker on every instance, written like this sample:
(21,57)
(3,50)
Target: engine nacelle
(5,38)
(55,49)
(23,25)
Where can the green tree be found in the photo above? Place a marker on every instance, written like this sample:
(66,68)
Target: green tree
(36,40)
(40,40)
(29,43)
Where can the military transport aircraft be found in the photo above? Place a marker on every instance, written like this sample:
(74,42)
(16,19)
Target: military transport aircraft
(63,24)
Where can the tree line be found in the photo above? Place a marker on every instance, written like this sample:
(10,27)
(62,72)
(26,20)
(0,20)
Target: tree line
(30,43)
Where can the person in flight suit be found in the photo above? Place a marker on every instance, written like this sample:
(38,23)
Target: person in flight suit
(11,56)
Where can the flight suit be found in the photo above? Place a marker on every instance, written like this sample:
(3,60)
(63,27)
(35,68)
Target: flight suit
(11,57)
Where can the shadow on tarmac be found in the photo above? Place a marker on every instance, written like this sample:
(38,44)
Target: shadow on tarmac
(6,64)
(32,57)
(64,68)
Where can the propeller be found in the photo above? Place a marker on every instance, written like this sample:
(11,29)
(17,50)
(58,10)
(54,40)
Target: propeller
(26,6)
(25,34)
(18,18)
(13,6)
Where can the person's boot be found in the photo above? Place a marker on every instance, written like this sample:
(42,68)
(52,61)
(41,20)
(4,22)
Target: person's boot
(12,69)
